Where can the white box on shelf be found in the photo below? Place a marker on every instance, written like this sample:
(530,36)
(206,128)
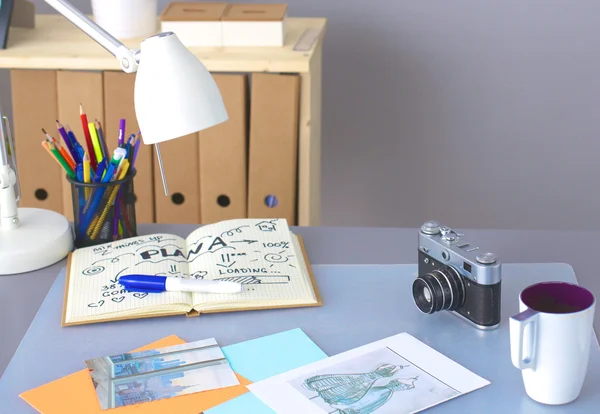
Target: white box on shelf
(195,24)
(254,25)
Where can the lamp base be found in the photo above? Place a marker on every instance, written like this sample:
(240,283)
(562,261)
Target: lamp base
(42,239)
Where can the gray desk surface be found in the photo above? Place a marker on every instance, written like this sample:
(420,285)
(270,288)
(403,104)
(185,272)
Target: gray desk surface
(22,295)
(356,311)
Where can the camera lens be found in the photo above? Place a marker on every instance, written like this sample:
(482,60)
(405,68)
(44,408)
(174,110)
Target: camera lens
(441,289)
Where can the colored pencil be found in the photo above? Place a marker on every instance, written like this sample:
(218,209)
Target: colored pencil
(67,141)
(88,138)
(95,142)
(86,174)
(101,138)
(48,146)
(60,149)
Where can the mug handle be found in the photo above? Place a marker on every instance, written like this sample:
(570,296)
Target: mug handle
(518,323)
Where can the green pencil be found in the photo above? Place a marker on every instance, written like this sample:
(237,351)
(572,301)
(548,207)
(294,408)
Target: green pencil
(51,148)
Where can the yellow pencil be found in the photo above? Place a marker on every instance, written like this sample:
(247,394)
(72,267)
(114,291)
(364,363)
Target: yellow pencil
(95,142)
(86,174)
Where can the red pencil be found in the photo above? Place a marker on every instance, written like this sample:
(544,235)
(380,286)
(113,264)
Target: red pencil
(88,137)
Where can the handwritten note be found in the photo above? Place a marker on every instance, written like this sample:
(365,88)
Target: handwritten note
(94,282)
(263,255)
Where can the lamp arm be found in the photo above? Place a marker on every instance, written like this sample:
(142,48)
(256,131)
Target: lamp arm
(128,58)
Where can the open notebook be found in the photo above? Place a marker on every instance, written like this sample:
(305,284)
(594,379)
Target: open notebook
(263,255)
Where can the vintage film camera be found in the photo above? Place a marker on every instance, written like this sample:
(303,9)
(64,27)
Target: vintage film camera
(457,276)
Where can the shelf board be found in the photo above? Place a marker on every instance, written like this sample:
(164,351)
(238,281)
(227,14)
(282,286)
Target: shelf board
(56,44)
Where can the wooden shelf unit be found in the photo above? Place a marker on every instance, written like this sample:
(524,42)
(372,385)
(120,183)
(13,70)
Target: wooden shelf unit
(56,45)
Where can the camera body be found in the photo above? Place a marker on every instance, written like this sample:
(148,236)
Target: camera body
(457,276)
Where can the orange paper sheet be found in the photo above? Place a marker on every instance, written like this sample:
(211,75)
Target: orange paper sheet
(75,394)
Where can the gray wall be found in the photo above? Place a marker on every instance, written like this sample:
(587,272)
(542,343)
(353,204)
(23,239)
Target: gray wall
(480,114)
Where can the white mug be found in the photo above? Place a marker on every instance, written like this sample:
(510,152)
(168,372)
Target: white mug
(550,340)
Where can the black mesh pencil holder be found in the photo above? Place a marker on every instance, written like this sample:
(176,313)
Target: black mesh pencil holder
(103,212)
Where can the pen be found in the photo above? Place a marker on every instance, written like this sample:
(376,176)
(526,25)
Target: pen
(109,173)
(116,161)
(121,131)
(135,153)
(100,171)
(79,172)
(78,148)
(119,156)
(157,284)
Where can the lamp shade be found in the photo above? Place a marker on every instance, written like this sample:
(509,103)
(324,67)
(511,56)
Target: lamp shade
(175,95)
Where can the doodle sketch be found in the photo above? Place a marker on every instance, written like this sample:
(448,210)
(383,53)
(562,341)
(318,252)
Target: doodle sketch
(379,382)
(267,225)
(261,254)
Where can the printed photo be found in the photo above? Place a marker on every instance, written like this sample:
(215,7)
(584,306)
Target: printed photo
(138,377)
(381,382)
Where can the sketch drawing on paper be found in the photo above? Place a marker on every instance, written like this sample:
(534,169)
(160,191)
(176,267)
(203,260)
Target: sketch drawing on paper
(356,392)
(267,225)
(379,382)
(232,232)
(92,271)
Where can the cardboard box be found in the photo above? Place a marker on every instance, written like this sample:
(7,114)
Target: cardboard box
(195,24)
(224,156)
(118,103)
(34,100)
(254,25)
(180,161)
(273,150)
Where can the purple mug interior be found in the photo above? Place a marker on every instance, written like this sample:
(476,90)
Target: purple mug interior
(557,297)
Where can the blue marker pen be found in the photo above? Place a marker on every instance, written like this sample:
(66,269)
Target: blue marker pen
(158,284)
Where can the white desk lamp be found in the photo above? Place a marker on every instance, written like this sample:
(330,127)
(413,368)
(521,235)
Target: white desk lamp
(175,95)
(30,238)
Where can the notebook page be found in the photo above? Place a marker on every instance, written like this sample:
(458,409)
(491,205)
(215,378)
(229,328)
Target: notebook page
(94,291)
(261,254)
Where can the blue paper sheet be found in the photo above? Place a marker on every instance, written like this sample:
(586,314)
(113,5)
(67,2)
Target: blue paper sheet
(265,357)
